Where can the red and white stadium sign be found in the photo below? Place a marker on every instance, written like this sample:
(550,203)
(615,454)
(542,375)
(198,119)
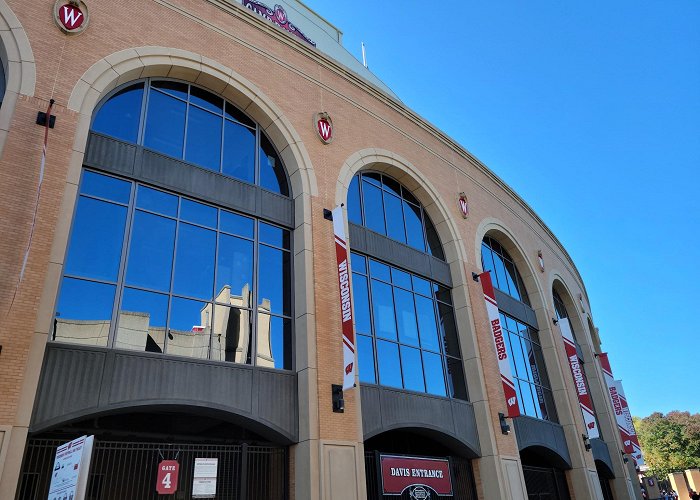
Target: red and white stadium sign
(71,16)
(324,127)
(400,473)
(166,480)
(463,205)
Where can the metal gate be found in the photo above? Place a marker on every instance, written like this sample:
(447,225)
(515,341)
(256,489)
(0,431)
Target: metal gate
(545,483)
(127,470)
(463,485)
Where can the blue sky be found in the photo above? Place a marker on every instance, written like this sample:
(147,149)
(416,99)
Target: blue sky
(591,112)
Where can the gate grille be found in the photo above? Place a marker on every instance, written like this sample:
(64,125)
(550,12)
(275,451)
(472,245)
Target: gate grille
(127,470)
(463,485)
(545,483)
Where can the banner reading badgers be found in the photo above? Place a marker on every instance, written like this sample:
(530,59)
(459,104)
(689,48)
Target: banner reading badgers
(341,255)
(500,344)
(630,443)
(584,396)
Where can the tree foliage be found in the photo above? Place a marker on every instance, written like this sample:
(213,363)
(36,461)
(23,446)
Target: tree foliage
(670,442)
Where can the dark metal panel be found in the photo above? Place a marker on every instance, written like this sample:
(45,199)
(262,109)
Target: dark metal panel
(276,207)
(83,367)
(277,398)
(385,409)
(531,431)
(601,452)
(79,381)
(515,308)
(395,253)
(110,154)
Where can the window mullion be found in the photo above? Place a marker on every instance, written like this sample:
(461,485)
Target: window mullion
(254,294)
(144,107)
(172,276)
(126,245)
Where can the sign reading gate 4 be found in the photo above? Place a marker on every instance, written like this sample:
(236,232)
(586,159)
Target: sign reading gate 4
(400,473)
(166,482)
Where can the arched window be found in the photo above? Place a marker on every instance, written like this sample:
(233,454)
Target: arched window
(405,323)
(526,359)
(378,202)
(161,271)
(189,123)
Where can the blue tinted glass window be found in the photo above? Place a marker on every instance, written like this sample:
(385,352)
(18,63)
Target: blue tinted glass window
(394,312)
(98,230)
(383,309)
(234,272)
(434,375)
(198,213)
(273,280)
(401,278)
(365,357)
(119,116)
(165,124)
(175,89)
(374,207)
(273,235)
(379,271)
(358,263)
(141,321)
(206,100)
(412,367)
(103,186)
(151,252)
(156,201)
(237,224)
(389,364)
(427,325)
(272,174)
(239,152)
(190,328)
(394,218)
(234,113)
(406,317)
(354,206)
(204,139)
(194,262)
(414,226)
(361,299)
(84,312)
(277,343)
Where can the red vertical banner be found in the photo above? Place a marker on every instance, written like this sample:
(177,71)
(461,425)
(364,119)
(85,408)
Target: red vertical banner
(499,343)
(622,415)
(341,255)
(584,396)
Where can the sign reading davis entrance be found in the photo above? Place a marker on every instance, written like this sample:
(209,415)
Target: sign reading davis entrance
(399,473)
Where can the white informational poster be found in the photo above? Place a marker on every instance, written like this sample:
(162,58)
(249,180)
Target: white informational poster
(70,470)
(204,480)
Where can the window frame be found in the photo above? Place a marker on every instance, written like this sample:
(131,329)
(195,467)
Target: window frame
(143,118)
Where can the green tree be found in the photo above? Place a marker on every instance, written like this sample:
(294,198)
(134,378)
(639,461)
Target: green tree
(669,442)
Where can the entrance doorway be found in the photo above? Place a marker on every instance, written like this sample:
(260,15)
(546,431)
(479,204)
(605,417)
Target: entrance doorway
(545,483)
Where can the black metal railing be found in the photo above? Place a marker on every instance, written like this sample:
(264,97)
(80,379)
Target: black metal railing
(128,470)
(463,486)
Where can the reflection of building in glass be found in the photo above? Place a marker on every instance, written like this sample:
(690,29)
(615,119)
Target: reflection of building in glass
(227,323)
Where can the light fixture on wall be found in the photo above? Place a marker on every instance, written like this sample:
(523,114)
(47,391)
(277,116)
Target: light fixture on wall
(338,401)
(540,259)
(555,320)
(586,442)
(505,428)
(624,457)
(475,277)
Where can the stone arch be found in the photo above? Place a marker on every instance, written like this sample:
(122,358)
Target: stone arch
(153,61)
(556,282)
(381,160)
(18,63)
(141,62)
(506,237)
